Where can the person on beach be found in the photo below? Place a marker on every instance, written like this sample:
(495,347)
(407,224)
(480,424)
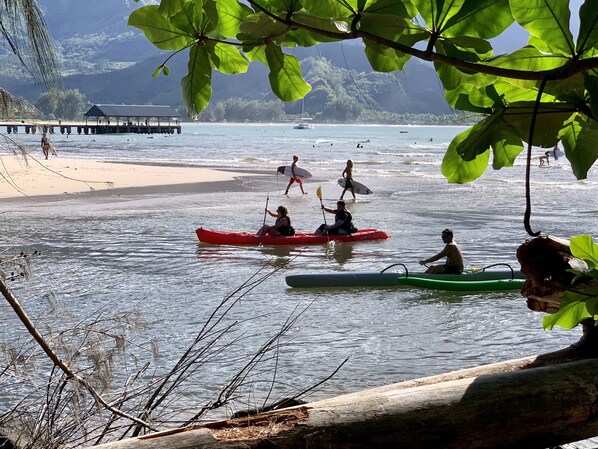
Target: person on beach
(295,178)
(545,160)
(282,225)
(343,221)
(348,177)
(45,143)
(454,259)
(556,151)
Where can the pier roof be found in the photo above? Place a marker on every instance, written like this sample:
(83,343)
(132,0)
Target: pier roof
(131,110)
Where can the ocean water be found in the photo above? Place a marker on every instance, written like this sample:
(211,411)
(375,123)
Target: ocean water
(139,254)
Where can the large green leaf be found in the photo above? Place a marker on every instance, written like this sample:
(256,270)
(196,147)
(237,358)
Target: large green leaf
(227,59)
(318,23)
(435,13)
(587,40)
(169,8)
(486,97)
(467,156)
(549,121)
(452,77)
(189,19)
(569,90)
(579,137)
(479,18)
(256,54)
(512,91)
(404,8)
(159,30)
(591,85)
(506,149)
(197,84)
(302,38)
(457,170)
(258,27)
(387,26)
(331,9)
(574,308)
(464,45)
(285,76)
(548,21)
(383,58)
(583,246)
(480,137)
(528,59)
(231,15)
(460,98)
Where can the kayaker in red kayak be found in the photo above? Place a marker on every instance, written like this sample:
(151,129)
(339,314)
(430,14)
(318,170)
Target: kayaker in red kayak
(343,221)
(282,225)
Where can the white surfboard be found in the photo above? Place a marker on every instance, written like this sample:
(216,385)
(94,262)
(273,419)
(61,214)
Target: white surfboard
(359,188)
(299,172)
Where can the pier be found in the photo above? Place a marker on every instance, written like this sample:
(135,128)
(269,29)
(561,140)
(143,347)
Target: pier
(109,119)
(87,128)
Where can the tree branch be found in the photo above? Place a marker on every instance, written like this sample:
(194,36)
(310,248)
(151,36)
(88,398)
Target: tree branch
(16,306)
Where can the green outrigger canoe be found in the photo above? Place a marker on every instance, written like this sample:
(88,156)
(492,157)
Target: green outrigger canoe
(484,278)
(462,285)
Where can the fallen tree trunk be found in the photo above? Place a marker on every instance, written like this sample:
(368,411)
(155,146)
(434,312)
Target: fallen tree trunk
(520,403)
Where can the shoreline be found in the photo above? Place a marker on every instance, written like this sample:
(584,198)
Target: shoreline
(29,178)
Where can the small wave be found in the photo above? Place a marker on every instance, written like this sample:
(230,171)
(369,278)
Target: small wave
(420,163)
(250,160)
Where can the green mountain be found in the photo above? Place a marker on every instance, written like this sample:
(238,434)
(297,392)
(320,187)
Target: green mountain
(111,63)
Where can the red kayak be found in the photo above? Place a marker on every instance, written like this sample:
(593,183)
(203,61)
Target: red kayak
(245,238)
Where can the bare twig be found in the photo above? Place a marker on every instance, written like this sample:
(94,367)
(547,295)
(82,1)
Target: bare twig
(18,309)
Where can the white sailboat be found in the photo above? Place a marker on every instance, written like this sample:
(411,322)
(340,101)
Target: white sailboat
(304,124)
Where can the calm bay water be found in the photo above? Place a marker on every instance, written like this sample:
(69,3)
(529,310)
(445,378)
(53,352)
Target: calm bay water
(139,253)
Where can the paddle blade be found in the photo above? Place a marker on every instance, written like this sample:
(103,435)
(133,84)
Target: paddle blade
(319,192)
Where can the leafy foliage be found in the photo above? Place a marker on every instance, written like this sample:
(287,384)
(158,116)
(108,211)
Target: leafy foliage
(578,304)
(554,73)
(62,104)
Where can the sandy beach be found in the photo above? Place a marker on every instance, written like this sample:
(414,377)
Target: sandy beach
(32,177)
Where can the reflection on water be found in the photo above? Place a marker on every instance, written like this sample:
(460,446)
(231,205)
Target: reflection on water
(341,251)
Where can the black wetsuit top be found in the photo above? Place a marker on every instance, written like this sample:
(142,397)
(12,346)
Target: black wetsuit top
(347,219)
(284,230)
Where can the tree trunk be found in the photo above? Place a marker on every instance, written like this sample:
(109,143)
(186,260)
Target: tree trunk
(520,403)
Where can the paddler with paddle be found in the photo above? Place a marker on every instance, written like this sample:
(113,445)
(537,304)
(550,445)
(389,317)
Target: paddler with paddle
(454,259)
(343,221)
(282,225)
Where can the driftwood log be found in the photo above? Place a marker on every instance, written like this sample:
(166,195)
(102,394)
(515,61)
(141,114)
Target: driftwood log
(536,402)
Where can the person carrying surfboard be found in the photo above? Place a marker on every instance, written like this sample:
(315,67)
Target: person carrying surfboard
(294,178)
(348,177)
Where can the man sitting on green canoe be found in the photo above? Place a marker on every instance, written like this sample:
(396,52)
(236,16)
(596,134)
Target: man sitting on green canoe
(454,259)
